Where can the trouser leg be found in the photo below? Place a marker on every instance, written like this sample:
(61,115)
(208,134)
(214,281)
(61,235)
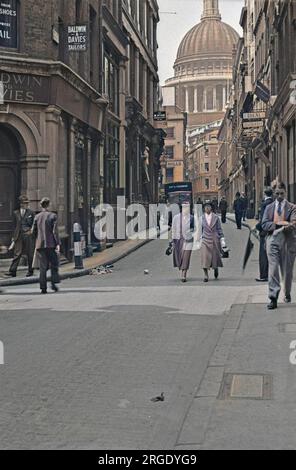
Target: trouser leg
(28,250)
(288,268)
(274,261)
(18,251)
(238,218)
(223,217)
(43,266)
(263,260)
(54,266)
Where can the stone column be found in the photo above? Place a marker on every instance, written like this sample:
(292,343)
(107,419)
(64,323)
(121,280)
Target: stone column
(224,97)
(215,98)
(35,177)
(88,187)
(72,167)
(52,141)
(205,100)
(195,99)
(186,99)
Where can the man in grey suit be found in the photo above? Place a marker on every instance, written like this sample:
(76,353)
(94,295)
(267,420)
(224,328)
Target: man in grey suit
(47,245)
(279,221)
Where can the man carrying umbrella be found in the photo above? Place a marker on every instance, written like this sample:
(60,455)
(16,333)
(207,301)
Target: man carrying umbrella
(279,221)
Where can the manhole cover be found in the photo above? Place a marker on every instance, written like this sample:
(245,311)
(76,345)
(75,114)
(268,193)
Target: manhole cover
(246,386)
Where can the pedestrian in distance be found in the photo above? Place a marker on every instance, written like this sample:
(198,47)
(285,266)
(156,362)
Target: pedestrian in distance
(279,222)
(47,245)
(244,205)
(22,242)
(212,242)
(238,207)
(183,227)
(263,260)
(223,206)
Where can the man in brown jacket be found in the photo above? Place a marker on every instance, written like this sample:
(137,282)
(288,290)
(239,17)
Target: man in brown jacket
(47,245)
(23,240)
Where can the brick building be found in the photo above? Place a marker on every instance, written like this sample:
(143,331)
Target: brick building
(51,122)
(70,69)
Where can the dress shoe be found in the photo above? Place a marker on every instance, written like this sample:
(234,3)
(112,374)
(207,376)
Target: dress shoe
(206,279)
(9,274)
(272,305)
(287,299)
(216,273)
(43,291)
(259,279)
(54,288)
(29,274)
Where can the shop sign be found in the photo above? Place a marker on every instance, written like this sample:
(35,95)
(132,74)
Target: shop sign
(8,24)
(24,88)
(77,38)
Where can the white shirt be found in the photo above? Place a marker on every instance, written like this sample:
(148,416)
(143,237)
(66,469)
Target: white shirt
(23,211)
(283,203)
(209,218)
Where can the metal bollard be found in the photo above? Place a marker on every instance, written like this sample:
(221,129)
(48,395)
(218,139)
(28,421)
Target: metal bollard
(77,247)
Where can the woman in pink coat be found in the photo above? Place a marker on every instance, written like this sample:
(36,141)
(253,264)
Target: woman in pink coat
(212,242)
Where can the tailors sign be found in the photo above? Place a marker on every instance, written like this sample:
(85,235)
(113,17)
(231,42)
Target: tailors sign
(77,38)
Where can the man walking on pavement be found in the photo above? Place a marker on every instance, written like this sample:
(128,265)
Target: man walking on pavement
(223,206)
(263,260)
(47,245)
(238,207)
(23,241)
(279,221)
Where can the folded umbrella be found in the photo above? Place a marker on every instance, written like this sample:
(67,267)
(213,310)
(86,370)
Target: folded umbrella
(248,251)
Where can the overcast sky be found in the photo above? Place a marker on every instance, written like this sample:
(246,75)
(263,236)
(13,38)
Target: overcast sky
(172,28)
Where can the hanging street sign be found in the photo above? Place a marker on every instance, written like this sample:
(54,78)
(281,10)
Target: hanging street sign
(254,116)
(253,125)
(77,38)
(8,24)
(160,116)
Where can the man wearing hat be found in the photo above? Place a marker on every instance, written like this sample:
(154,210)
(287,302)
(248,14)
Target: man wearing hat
(22,240)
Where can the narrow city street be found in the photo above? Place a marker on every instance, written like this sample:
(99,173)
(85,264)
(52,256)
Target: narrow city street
(82,366)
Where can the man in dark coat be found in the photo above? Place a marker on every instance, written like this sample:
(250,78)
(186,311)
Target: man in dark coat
(23,240)
(263,260)
(47,245)
(245,206)
(223,206)
(238,207)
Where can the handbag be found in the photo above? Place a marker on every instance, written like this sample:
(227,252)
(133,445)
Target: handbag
(169,250)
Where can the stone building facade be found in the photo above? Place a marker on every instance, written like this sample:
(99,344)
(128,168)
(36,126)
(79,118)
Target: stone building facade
(69,77)
(261,150)
(51,122)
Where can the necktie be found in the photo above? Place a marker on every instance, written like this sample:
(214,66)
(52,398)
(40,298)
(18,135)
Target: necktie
(279,211)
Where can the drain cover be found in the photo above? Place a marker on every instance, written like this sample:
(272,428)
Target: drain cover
(246,386)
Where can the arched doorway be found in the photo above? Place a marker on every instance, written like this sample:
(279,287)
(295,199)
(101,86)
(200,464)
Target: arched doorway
(9,181)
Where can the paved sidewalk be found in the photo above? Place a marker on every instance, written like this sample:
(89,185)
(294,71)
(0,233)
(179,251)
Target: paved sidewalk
(67,271)
(246,399)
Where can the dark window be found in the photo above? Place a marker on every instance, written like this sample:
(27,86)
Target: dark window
(170,132)
(207,183)
(207,167)
(170,151)
(111,81)
(170,175)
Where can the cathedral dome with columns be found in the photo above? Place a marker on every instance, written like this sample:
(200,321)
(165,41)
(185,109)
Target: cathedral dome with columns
(203,67)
